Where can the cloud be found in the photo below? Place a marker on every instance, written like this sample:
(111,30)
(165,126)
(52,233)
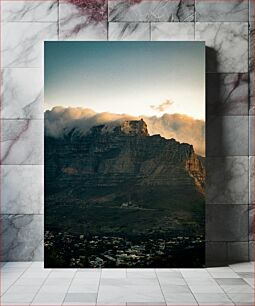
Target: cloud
(163,106)
(180,127)
(60,121)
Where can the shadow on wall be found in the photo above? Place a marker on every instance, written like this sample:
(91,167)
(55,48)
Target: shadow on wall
(214,139)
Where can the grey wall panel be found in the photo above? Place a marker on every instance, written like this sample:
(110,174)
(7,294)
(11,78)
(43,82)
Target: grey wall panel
(228,31)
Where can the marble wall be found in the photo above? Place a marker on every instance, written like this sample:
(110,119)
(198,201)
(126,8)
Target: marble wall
(227,27)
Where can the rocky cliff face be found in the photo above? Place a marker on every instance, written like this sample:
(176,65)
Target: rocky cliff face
(196,170)
(122,155)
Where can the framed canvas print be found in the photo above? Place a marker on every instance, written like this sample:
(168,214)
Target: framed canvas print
(124,154)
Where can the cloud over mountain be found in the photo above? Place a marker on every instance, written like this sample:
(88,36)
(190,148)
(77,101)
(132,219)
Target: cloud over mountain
(181,127)
(59,121)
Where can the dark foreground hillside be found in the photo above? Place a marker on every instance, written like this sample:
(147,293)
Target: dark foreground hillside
(117,197)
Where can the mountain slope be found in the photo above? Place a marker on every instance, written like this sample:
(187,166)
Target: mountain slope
(123,167)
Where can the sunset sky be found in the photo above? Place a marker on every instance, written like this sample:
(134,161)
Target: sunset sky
(136,78)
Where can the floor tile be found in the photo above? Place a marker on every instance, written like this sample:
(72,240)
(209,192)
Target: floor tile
(222,272)
(58,281)
(114,273)
(44,298)
(146,303)
(17,264)
(144,282)
(180,299)
(6,284)
(32,284)
(81,298)
(242,299)
(171,281)
(201,281)
(88,274)
(246,274)
(141,273)
(169,273)
(111,295)
(144,294)
(29,282)
(84,285)
(62,274)
(250,281)
(175,289)
(237,288)
(230,281)
(213,299)
(112,282)
(87,270)
(19,294)
(204,286)
(6,271)
(33,274)
(243,267)
(79,303)
(191,273)
(15,303)
(11,275)
(53,289)
(206,289)
(111,303)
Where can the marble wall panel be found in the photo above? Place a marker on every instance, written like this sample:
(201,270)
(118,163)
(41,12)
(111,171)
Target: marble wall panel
(22,43)
(227,44)
(182,31)
(129,31)
(227,223)
(153,10)
(227,136)
(227,180)
(230,65)
(31,11)
(22,189)
(22,237)
(227,94)
(21,142)
(234,10)
(22,93)
(79,20)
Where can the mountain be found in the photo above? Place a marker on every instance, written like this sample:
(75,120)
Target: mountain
(112,155)
(125,179)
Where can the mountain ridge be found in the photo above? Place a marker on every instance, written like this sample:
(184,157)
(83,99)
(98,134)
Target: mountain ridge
(60,121)
(128,149)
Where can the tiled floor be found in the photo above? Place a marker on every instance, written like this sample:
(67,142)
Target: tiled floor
(27,283)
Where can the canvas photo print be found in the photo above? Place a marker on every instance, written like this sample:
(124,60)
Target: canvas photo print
(124,154)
